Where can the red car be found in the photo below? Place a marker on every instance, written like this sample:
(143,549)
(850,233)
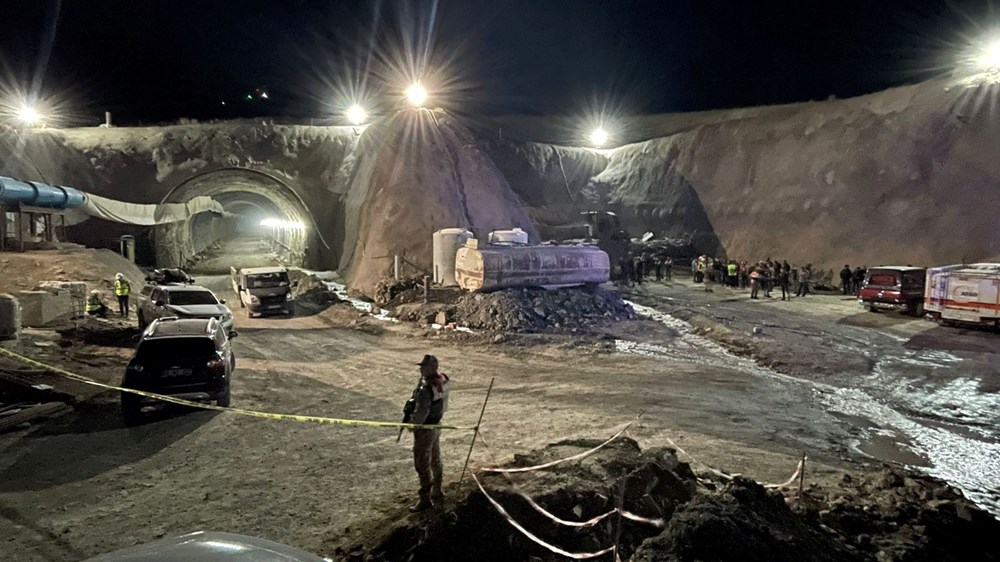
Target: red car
(892,287)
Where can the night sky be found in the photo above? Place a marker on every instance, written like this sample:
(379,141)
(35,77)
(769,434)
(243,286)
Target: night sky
(159,60)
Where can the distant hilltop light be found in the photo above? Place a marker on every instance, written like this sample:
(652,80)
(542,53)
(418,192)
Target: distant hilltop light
(28,115)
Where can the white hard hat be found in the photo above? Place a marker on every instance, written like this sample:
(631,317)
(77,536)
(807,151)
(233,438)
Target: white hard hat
(119,276)
(95,292)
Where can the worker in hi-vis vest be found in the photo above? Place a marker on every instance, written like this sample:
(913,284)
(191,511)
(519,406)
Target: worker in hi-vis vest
(122,290)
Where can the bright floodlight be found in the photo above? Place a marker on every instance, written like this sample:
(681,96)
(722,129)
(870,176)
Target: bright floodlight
(357,114)
(416,94)
(989,59)
(29,115)
(599,137)
(278,223)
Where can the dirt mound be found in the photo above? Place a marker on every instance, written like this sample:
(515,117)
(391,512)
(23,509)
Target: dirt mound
(310,290)
(388,291)
(889,517)
(420,171)
(97,268)
(92,331)
(534,310)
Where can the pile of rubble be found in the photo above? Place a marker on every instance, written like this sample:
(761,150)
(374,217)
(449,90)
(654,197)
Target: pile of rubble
(535,310)
(889,517)
(310,290)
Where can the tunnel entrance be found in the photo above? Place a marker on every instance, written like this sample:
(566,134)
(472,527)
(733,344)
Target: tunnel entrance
(264,223)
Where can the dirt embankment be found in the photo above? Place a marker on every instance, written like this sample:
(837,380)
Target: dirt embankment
(888,515)
(96,268)
(421,172)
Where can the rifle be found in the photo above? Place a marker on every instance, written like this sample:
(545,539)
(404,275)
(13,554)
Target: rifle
(408,408)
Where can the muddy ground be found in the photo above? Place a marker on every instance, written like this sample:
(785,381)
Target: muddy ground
(84,484)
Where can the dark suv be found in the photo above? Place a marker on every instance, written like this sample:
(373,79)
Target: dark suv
(186,358)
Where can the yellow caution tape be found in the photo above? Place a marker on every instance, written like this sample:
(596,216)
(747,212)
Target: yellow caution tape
(240,411)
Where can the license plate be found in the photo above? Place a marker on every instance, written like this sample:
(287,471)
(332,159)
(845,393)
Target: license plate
(177,373)
(275,306)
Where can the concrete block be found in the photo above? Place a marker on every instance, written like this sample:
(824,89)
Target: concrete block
(41,308)
(77,292)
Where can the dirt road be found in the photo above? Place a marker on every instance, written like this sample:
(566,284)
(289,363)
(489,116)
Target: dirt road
(84,484)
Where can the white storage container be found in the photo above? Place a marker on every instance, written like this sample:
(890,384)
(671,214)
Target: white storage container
(445,244)
(509,237)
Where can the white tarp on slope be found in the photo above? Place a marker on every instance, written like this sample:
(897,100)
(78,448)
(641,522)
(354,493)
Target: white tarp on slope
(134,213)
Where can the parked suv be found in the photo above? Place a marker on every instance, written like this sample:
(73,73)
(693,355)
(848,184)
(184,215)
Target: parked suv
(182,301)
(187,358)
(894,288)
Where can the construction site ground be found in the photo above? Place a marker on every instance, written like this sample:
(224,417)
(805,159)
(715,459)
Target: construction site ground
(84,484)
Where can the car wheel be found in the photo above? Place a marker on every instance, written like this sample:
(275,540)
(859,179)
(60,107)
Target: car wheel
(873,309)
(131,409)
(224,400)
(918,310)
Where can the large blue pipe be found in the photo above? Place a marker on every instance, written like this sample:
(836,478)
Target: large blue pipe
(39,194)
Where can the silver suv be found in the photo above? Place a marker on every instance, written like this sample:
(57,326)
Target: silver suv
(181,301)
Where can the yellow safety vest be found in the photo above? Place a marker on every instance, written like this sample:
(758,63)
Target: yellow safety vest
(121,287)
(93,303)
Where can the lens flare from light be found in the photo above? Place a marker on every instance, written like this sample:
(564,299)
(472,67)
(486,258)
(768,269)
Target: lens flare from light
(356,115)
(599,137)
(416,94)
(29,115)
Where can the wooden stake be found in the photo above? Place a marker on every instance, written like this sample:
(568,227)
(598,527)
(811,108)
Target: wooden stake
(476,432)
(802,475)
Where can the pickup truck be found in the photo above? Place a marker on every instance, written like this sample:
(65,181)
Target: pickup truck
(263,290)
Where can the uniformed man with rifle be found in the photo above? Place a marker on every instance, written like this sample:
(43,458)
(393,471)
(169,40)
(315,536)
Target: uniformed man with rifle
(427,406)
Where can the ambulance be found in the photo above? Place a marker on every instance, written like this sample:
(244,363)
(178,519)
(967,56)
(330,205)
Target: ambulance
(964,294)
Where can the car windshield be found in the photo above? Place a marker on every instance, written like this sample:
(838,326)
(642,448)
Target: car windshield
(185,298)
(175,349)
(266,280)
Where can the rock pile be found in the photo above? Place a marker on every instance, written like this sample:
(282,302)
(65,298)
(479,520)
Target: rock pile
(535,310)
(892,517)
(310,290)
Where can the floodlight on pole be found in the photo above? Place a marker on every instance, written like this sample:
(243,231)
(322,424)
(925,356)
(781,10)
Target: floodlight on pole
(599,137)
(29,115)
(356,114)
(416,95)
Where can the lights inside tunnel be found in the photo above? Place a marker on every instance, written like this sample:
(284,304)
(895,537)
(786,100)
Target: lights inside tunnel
(416,94)
(356,115)
(284,224)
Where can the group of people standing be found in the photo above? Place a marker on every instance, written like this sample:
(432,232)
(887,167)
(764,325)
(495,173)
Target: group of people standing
(760,277)
(633,268)
(851,281)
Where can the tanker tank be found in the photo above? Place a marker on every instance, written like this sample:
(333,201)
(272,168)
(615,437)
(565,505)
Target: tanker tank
(490,268)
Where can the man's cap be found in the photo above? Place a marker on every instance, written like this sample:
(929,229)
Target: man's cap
(428,360)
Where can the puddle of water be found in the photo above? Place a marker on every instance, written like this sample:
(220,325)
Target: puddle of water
(970,464)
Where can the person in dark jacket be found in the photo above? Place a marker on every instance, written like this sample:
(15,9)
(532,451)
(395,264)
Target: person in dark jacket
(430,403)
(859,279)
(846,278)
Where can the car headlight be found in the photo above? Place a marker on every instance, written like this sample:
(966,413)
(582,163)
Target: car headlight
(288,297)
(136,367)
(254,299)
(227,316)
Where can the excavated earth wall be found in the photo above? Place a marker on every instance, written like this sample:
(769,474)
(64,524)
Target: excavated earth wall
(908,175)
